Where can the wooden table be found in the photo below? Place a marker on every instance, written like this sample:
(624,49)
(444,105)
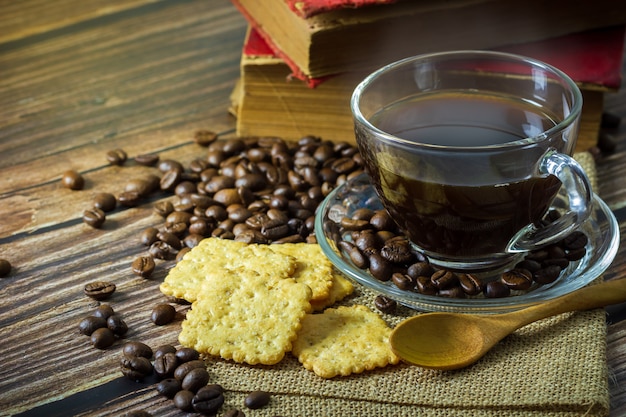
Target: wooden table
(78,79)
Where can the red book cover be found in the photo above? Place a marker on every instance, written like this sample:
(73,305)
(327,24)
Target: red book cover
(592,57)
(308,8)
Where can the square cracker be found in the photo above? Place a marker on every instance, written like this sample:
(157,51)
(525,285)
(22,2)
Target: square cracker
(342,341)
(216,257)
(246,316)
(313,268)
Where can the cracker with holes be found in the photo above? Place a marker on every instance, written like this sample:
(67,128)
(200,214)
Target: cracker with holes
(343,341)
(313,267)
(247,316)
(214,258)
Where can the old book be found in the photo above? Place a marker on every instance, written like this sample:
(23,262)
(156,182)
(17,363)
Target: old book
(323,37)
(269,101)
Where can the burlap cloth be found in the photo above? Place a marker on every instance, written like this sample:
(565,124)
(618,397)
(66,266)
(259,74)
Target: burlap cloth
(555,367)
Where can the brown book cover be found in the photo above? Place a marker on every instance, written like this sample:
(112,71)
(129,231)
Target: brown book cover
(347,39)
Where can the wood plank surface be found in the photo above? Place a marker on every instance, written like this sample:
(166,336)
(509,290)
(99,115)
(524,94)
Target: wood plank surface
(78,79)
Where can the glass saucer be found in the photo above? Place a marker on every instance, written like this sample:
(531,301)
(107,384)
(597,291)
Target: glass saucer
(601,228)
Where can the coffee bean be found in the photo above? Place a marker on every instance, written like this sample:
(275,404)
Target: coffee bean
(146,159)
(379,267)
(208,401)
(183,369)
(385,304)
(227,196)
(94,217)
(165,364)
(443,279)
(357,257)
(403,281)
(170,238)
(105,202)
(168,387)
(165,165)
(195,379)
(73,180)
(182,400)
(116,157)
(381,220)
(102,338)
(547,275)
(163,314)
(176,217)
(170,179)
(5,268)
(470,284)
(134,348)
(204,137)
(496,289)
(163,349)
(117,325)
(517,279)
(452,292)
(397,251)
(161,250)
(186,354)
(129,198)
(354,224)
(143,266)
(257,399)
(576,240)
(90,323)
(425,286)
(148,236)
(99,290)
(274,229)
(136,367)
(104,311)
(163,208)
(142,186)
(419,269)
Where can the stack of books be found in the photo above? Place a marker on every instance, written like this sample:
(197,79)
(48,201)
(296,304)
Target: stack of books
(302,59)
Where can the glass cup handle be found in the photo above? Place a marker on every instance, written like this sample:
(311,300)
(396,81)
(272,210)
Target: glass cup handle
(579,193)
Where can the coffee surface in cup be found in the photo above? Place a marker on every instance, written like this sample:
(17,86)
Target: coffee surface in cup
(463,204)
(463,118)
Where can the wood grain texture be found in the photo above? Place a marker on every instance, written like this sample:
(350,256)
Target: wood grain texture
(78,79)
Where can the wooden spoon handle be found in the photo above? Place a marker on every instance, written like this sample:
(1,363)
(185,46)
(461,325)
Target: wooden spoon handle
(587,298)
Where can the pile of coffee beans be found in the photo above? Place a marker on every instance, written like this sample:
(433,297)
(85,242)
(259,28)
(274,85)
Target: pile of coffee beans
(256,190)
(372,241)
(183,378)
(103,326)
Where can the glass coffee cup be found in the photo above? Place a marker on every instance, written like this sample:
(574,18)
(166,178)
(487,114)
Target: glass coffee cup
(468,149)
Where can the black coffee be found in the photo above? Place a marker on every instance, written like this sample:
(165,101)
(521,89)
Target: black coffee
(464,204)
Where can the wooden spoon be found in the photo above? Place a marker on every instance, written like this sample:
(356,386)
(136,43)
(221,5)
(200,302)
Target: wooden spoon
(455,340)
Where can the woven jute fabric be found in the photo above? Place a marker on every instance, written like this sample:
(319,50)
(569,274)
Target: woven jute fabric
(554,367)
